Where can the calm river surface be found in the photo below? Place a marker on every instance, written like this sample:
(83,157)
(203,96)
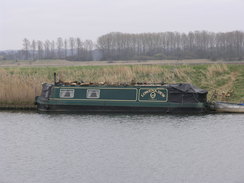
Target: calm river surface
(45,148)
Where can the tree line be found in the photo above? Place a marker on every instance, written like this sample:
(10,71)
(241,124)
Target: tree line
(172,45)
(69,49)
(143,46)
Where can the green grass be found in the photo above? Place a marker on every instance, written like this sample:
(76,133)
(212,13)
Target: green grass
(238,85)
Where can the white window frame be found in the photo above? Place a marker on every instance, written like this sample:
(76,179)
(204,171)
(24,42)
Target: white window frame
(90,91)
(63,92)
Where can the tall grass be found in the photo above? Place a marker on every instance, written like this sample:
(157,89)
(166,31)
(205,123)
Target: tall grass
(19,86)
(18,89)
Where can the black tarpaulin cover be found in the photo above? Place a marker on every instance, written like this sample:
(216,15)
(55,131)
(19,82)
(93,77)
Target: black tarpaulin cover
(185,93)
(187,88)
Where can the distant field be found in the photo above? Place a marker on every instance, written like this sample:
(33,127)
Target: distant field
(20,85)
(39,63)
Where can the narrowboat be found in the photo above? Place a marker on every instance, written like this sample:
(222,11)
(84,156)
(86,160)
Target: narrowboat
(136,98)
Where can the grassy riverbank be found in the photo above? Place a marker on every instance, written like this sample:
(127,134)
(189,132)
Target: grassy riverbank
(20,85)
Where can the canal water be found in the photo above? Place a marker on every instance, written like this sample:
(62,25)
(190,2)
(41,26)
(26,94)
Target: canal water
(71,148)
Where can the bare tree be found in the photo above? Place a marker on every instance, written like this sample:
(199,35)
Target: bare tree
(33,46)
(40,49)
(65,48)
(26,45)
(60,45)
(53,53)
(47,46)
(72,45)
(79,45)
(88,46)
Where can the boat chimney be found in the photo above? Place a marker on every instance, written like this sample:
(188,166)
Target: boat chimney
(54,75)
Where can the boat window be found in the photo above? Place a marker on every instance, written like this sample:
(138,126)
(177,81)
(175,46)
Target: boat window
(66,93)
(93,93)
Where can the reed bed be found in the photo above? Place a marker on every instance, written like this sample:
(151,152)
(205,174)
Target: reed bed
(19,85)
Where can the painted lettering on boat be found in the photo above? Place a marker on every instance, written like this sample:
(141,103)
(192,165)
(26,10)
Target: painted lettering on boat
(153,93)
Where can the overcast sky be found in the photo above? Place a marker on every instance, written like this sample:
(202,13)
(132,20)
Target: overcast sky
(89,19)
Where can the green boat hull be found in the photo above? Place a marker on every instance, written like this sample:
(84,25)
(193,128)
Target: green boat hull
(132,99)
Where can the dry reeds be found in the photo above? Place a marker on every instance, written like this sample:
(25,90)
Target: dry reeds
(19,86)
(16,90)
